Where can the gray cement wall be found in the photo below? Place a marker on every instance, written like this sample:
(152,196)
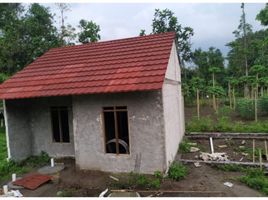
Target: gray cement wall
(30,130)
(19,131)
(146,132)
(42,128)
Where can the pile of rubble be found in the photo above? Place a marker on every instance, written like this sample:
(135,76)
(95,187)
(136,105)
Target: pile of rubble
(214,156)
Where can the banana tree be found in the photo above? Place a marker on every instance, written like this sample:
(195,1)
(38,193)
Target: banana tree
(214,71)
(197,85)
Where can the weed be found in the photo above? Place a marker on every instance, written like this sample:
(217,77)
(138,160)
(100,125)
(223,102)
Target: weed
(184,146)
(229,167)
(256,179)
(177,171)
(158,175)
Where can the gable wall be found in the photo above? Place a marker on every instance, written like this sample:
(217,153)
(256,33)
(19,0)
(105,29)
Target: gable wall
(173,107)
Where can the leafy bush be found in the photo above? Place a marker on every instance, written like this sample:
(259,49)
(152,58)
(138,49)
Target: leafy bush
(256,179)
(263,105)
(177,171)
(184,146)
(223,125)
(35,161)
(224,111)
(245,108)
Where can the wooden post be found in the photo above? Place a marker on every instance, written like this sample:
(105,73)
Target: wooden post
(266,149)
(253,150)
(260,158)
(197,102)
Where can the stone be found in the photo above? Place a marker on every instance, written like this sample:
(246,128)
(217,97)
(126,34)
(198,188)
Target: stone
(197,164)
(241,147)
(245,154)
(194,149)
(228,184)
(243,142)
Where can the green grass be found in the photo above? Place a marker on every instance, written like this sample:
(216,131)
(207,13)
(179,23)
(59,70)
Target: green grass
(3,148)
(177,171)
(9,167)
(224,124)
(256,179)
(252,177)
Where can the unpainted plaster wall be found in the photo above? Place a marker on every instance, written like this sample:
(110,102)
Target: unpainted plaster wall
(146,132)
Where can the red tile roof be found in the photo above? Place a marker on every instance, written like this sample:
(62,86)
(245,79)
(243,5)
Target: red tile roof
(132,64)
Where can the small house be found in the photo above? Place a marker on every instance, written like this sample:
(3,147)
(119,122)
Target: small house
(114,106)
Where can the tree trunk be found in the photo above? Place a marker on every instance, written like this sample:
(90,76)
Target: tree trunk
(234,98)
(213,96)
(229,94)
(256,106)
(197,104)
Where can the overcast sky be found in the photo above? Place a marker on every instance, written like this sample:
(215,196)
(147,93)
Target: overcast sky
(213,24)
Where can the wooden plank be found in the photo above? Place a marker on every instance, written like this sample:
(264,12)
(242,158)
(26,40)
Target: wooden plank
(215,135)
(224,162)
(168,191)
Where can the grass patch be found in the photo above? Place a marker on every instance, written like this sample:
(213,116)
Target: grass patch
(230,167)
(256,179)
(139,181)
(9,167)
(224,124)
(177,171)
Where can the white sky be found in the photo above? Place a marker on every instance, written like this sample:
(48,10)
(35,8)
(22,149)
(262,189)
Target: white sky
(213,23)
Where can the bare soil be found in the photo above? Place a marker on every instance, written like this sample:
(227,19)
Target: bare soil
(204,181)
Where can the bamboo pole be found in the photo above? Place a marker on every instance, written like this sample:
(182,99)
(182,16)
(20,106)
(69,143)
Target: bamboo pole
(229,94)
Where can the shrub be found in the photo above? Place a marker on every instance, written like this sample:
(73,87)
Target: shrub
(184,147)
(224,111)
(245,108)
(263,105)
(223,125)
(177,171)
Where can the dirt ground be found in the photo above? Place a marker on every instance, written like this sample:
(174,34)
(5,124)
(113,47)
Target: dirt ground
(204,181)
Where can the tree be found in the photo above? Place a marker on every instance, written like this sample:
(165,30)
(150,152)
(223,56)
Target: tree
(142,32)
(11,32)
(206,59)
(242,33)
(213,71)
(263,16)
(89,31)
(165,21)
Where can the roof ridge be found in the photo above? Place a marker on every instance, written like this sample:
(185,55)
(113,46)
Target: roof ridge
(115,40)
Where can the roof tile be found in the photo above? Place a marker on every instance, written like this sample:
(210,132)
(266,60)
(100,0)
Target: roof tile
(132,64)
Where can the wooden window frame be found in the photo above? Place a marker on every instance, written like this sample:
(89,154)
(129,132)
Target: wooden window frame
(115,109)
(58,108)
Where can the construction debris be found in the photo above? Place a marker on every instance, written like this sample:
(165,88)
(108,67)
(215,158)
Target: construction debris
(12,193)
(241,147)
(243,142)
(103,193)
(192,143)
(214,156)
(241,159)
(244,154)
(114,178)
(194,149)
(222,146)
(197,164)
(228,184)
